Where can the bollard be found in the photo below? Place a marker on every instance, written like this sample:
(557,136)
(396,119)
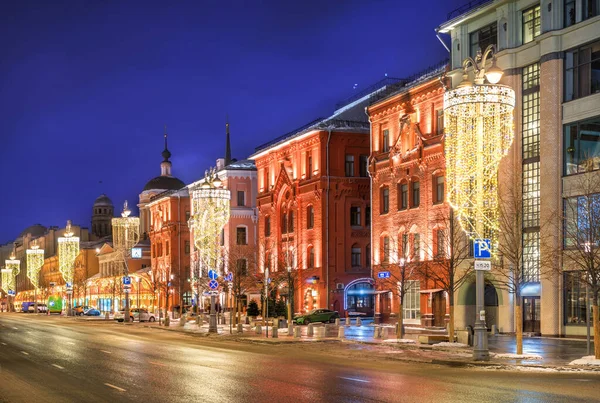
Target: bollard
(258,329)
(290,329)
(167,321)
(297,332)
(274,333)
(347,323)
(358,322)
(337,321)
(182,320)
(240,328)
(494,330)
(377,332)
(309,330)
(319,331)
(106,315)
(341,332)
(383,333)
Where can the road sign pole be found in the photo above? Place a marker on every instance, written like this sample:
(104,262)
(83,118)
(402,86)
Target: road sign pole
(480,343)
(212,324)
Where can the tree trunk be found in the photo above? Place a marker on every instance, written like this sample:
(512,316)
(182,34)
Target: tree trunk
(451,324)
(596,323)
(400,331)
(519,327)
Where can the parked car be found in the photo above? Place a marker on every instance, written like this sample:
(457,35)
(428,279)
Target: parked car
(25,306)
(317,315)
(42,308)
(81,310)
(92,312)
(141,315)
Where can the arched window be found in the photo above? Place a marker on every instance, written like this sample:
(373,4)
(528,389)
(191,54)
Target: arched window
(385,242)
(356,255)
(385,200)
(311,257)
(284,221)
(310,217)
(267,226)
(290,226)
(241,235)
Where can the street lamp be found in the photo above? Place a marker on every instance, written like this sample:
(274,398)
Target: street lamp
(126,234)
(210,213)
(290,324)
(138,292)
(68,250)
(35,261)
(478,125)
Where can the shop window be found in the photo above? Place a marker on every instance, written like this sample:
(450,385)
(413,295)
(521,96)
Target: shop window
(411,308)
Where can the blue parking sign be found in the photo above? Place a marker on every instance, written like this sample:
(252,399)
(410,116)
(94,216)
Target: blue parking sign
(482,249)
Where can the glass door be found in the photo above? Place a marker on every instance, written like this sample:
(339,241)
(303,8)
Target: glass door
(531,314)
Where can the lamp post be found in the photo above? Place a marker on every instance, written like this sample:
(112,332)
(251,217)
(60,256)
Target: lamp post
(35,261)
(138,292)
(210,213)
(479,131)
(289,302)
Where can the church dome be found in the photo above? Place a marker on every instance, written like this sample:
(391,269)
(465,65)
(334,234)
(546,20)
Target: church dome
(164,183)
(36,230)
(103,201)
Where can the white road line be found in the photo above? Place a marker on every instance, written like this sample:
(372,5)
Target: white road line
(58,366)
(16,328)
(354,379)
(115,387)
(107,352)
(70,342)
(157,363)
(25,352)
(4,344)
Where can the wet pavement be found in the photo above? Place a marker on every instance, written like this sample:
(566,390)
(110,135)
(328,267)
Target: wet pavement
(55,359)
(555,351)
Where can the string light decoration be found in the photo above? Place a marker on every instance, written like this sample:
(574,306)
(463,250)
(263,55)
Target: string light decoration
(35,261)
(68,250)
(12,267)
(8,281)
(126,231)
(478,126)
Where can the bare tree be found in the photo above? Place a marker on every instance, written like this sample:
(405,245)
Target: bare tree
(581,229)
(241,262)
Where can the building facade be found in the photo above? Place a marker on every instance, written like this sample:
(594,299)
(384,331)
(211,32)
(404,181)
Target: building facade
(550,54)
(102,214)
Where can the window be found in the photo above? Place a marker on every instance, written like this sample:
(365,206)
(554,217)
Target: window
(311,257)
(531,111)
(582,71)
(241,236)
(385,141)
(531,23)
(403,199)
(589,9)
(266,179)
(405,246)
(368,255)
(364,166)
(241,200)
(386,250)
(284,221)
(241,266)
(290,226)
(438,182)
(349,165)
(482,38)
(355,216)
(412,300)
(385,200)
(186,247)
(531,194)
(187,216)
(441,242)
(267,226)
(309,164)
(416,247)
(531,257)
(416,194)
(167,248)
(582,220)
(575,298)
(368,216)
(356,252)
(310,217)
(582,146)
(439,121)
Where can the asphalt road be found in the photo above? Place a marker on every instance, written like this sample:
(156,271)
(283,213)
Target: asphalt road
(52,359)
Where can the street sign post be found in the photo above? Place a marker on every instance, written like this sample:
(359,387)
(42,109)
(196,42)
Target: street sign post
(485,265)
(482,249)
(213,275)
(383,274)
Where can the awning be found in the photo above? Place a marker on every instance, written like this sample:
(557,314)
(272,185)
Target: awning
(431,291)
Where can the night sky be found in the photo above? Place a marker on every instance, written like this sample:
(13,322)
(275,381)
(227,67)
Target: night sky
(86,87)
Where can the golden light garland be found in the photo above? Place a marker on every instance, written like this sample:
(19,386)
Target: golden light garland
(68,250)
(12,267)
(35,261)
(126,231)
(8,281)
(478,126)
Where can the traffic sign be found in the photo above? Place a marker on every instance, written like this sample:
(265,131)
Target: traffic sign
(213,284)
(126,280)
(11,293)
(269,280)
(482,249)
(213,275)
(69,292)
(69,285)
(383,274)
(483,265)
(229,276)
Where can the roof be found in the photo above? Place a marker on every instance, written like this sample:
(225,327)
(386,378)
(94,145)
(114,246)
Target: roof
(164,183)
(36,230)
(181,192)
(243,165)
(463,12)
(103,200)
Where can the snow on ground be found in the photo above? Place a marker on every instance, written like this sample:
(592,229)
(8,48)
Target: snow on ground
(448,344)
(525,356)
(401,341)
(587,360)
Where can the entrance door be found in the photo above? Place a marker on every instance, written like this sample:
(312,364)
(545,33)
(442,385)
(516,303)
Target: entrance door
(531,314)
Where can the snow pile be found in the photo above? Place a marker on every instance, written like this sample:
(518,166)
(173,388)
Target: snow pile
(401,341)
(587,360)
(448,344)
(525,356)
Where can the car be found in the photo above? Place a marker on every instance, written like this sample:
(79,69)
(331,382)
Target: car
(317,315)
(25,306)
(81,310)
(42,308)
(141,315)
(92,312)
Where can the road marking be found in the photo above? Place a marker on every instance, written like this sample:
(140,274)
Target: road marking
(4,344)
(16,328)
(157,363)
(115,387)
(58,366)
(107,352)
(25,352)
(354,379)
(70,342)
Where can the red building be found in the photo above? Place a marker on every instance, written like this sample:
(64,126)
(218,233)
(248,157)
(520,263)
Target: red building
(313,212)
(408,196)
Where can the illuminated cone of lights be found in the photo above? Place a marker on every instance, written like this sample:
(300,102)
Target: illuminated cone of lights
(210,213)
(12,267)
(126,231)
(478,127)
(68,250)
(35,261)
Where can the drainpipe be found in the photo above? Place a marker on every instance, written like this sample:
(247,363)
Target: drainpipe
(327,223)
(179,251)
